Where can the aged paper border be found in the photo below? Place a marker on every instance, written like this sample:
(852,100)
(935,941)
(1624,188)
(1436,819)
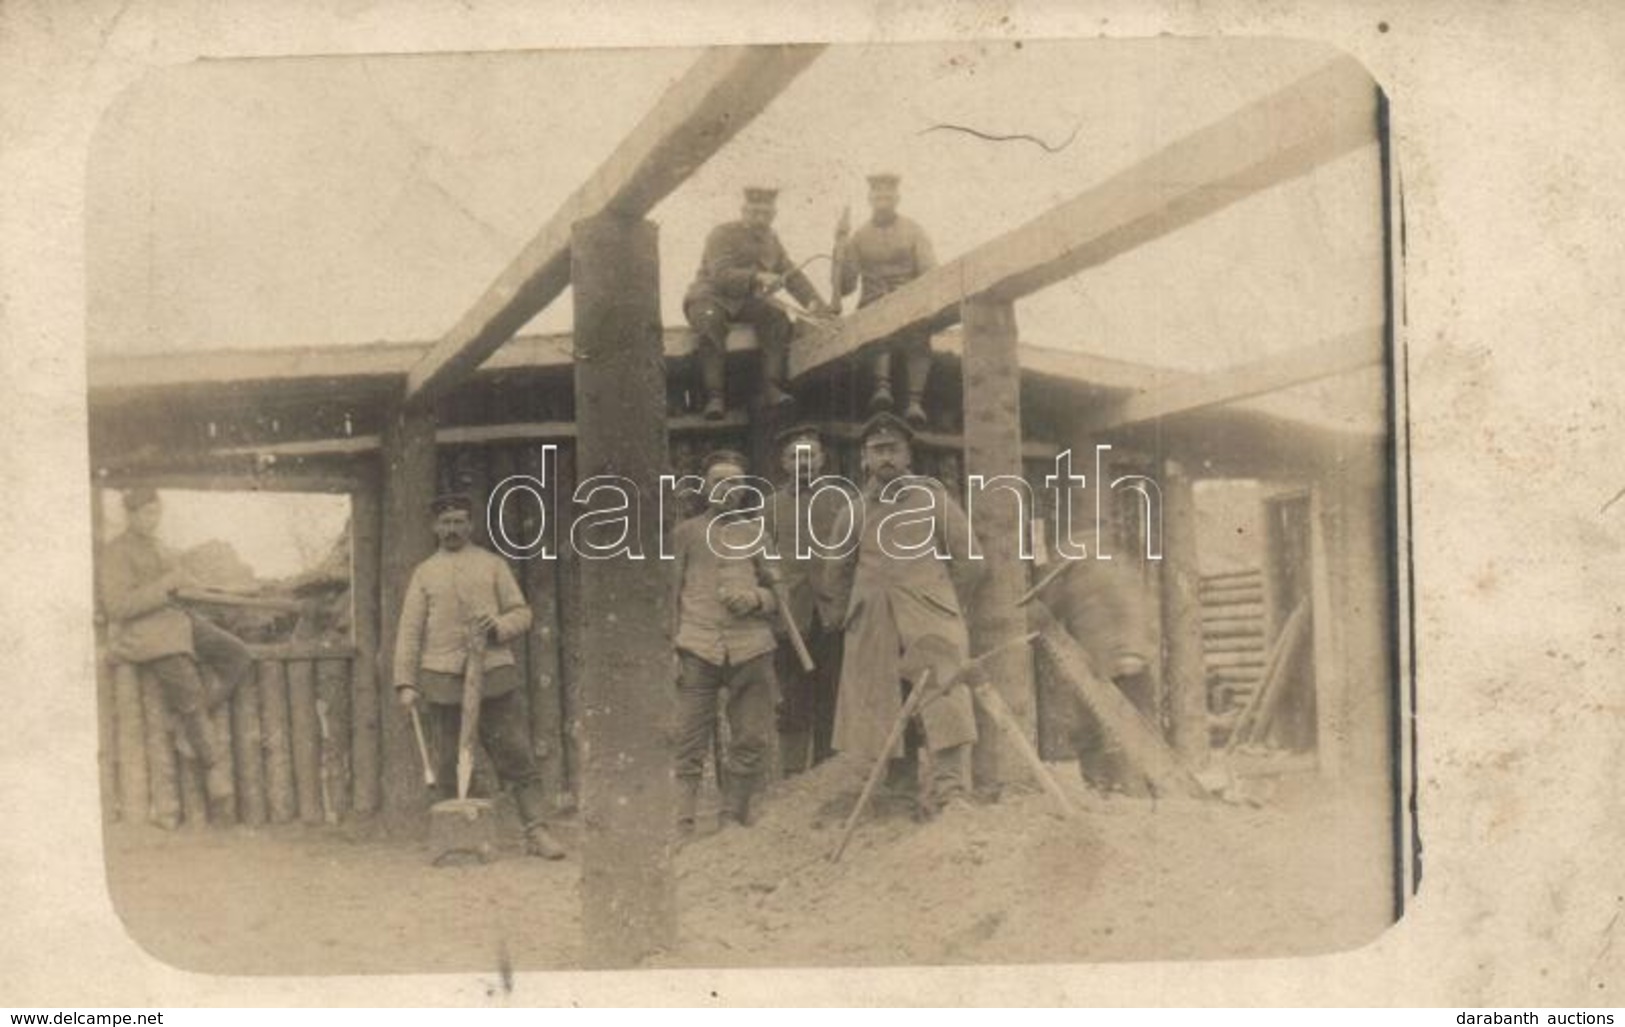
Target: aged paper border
(1508,136)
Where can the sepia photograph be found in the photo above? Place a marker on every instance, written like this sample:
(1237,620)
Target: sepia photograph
(761,506)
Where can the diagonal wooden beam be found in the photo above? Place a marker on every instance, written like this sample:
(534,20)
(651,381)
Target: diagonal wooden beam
(1328,358)
(1286,134)
(718,96)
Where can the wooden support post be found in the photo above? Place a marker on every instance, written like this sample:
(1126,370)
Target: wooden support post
(1184,675)
(160,745)
(279,793)
(333,723)
(628,888)
(992,449)
(248,753)
(541,581)
(133,798)
(305,736)
(409,486)
(366,698)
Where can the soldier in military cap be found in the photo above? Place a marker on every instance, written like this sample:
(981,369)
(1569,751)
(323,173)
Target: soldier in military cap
(140,581)
(744,263)
(458,588)
(882,255)
(724,606)
(802,521)
(900,586)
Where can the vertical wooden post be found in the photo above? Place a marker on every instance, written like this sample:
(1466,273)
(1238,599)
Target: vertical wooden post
(1184,675)
(273,681)
(628,889)
(992,448)
(409,485)
(570,659)
(107,736)
(541,580)
(248,745)
(132,744)
(305,735)
(333,723)
(107,751)
(221,778)
(366,698)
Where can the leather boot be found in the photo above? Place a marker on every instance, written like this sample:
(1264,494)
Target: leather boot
(882,397)
(736,800)
(711,380)
(532,814)
(919,369)
(688,800)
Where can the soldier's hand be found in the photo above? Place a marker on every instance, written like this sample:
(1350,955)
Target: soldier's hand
(408,697)
(766,281)
(485,624)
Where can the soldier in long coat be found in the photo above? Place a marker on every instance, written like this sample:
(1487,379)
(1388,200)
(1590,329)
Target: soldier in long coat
(801,518)
(896,599)
(744,264)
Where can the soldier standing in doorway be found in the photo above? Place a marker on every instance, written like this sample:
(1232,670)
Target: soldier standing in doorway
(459,587)
(140,579)
(799,514)
(895,599)
(743,265)
(882,255)
(724,606)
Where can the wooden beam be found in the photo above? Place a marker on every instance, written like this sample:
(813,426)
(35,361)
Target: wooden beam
(720,94)
(1329,358)
(1273,140)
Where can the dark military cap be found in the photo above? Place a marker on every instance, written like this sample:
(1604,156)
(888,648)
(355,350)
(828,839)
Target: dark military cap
(722,456)
(803,430)
(760,194)
(886,423)
(884,180)
(136,498)
(451,501)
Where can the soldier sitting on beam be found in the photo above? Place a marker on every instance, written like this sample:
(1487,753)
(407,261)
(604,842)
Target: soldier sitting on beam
(886,253)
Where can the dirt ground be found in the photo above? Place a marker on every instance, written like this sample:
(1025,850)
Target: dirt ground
(999,882)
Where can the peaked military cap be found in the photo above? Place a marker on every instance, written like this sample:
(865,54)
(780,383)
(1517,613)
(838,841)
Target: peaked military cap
(760,194)
(884,180)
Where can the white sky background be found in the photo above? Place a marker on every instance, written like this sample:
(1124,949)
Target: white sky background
(342,201)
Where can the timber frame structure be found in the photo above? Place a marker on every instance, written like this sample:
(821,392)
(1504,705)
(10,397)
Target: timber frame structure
(390,424)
